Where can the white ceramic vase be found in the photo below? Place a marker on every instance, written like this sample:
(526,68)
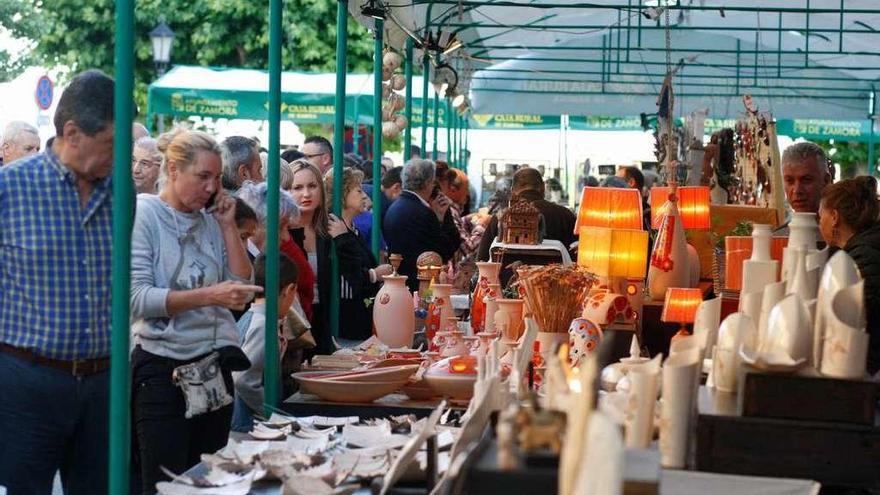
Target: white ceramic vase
(799,281)
(393,313)
(491,300)
(707,320)
(845,347)
(841,271)
(789,330)
(669,262)
(726,361)
(679,394)
(803,233)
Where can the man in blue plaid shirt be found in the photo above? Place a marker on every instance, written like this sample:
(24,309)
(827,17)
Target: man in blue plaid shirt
(55,239)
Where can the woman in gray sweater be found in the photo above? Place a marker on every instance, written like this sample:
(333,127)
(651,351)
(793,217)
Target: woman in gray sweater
(189,268)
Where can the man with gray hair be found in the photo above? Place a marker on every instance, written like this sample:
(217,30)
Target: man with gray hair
(20,139)
(241,162)
(420,220)
(805,173)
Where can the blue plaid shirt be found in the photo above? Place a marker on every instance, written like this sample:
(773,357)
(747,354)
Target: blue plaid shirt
(54,261)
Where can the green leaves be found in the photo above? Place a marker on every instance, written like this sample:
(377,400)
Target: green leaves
(225,33)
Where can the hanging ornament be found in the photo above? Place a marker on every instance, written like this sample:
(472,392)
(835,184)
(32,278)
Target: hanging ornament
(391,61)
(386,91)
(387,74)
(400,121)
(387,113)
(390,130)
(398,82)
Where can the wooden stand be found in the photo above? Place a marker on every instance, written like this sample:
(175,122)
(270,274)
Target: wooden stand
(808,398)
(835,454)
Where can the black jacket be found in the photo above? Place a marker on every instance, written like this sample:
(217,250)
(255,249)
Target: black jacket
(355,262)
(864,248)
(411,228)
(559,223)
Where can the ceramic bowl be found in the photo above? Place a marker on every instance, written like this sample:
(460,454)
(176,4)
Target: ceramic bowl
(349,391)
(418,391)
(789,329)
(453,377)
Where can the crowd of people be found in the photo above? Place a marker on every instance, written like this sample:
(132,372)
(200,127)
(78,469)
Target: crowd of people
(198,273)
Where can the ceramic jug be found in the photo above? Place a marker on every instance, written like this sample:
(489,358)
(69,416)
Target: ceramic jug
(510,313)
(488,274)
(393,313)
(669,266)
(491,301)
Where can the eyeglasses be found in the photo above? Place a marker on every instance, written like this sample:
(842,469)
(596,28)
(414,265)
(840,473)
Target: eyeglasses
(143,164)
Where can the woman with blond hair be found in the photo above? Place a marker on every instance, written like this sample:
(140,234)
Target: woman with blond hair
(360,277)
(189,269)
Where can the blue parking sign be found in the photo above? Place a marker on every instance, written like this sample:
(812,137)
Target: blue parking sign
(45,92)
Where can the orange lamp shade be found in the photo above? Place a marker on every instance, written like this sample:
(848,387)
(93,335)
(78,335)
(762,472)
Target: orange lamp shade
(681,305)
(611,208)
(613,252)
(693,206)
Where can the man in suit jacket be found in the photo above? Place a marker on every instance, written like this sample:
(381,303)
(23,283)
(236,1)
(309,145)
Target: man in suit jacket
(558,220)
(419,220)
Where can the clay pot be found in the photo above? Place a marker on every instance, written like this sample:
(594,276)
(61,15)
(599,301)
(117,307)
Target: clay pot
(393,316)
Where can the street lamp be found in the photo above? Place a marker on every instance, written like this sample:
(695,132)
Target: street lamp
(162,37)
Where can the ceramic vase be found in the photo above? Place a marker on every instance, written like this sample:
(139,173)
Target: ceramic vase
(584,336)
(679,392)
(799,281)
(510,312)
(760,269)
(841,271)
(669,265)
(845,347)
(761,241)
(707,320)
(488,274)
(439,309)
(803,233)
(789,330)
(491,301)
(547,342)
(393,313)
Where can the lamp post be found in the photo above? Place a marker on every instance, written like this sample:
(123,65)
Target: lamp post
(162,38)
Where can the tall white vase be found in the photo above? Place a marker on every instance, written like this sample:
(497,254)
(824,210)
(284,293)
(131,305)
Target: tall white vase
(803,232)
(799,281)
(443,300)
(393,313)
(669,259)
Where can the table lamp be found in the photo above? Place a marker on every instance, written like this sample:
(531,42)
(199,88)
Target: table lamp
(619,256)
(680,307)
(693,206)
(610,207)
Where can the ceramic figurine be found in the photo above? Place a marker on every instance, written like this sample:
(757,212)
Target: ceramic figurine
(584,337)
(488,275)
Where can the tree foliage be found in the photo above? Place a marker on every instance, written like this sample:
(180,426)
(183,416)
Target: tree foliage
(79,35)
(851,156)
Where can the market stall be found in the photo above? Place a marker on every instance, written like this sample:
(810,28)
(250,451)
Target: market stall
(546,398)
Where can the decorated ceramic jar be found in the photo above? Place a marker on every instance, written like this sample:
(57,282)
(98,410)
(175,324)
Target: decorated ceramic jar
(584,337)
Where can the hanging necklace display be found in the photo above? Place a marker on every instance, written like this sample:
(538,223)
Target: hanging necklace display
(758,167)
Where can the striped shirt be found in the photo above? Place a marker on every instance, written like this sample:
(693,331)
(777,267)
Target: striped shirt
(54,261)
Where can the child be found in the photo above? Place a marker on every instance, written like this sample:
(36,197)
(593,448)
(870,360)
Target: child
(252,331)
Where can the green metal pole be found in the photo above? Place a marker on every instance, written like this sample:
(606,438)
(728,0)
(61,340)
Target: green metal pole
(338,144)
(426,72)
(436,120)
(377,136)
(123,197)
(272,366)
(450,119)
(407,112)
(453,123)
(871,157)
